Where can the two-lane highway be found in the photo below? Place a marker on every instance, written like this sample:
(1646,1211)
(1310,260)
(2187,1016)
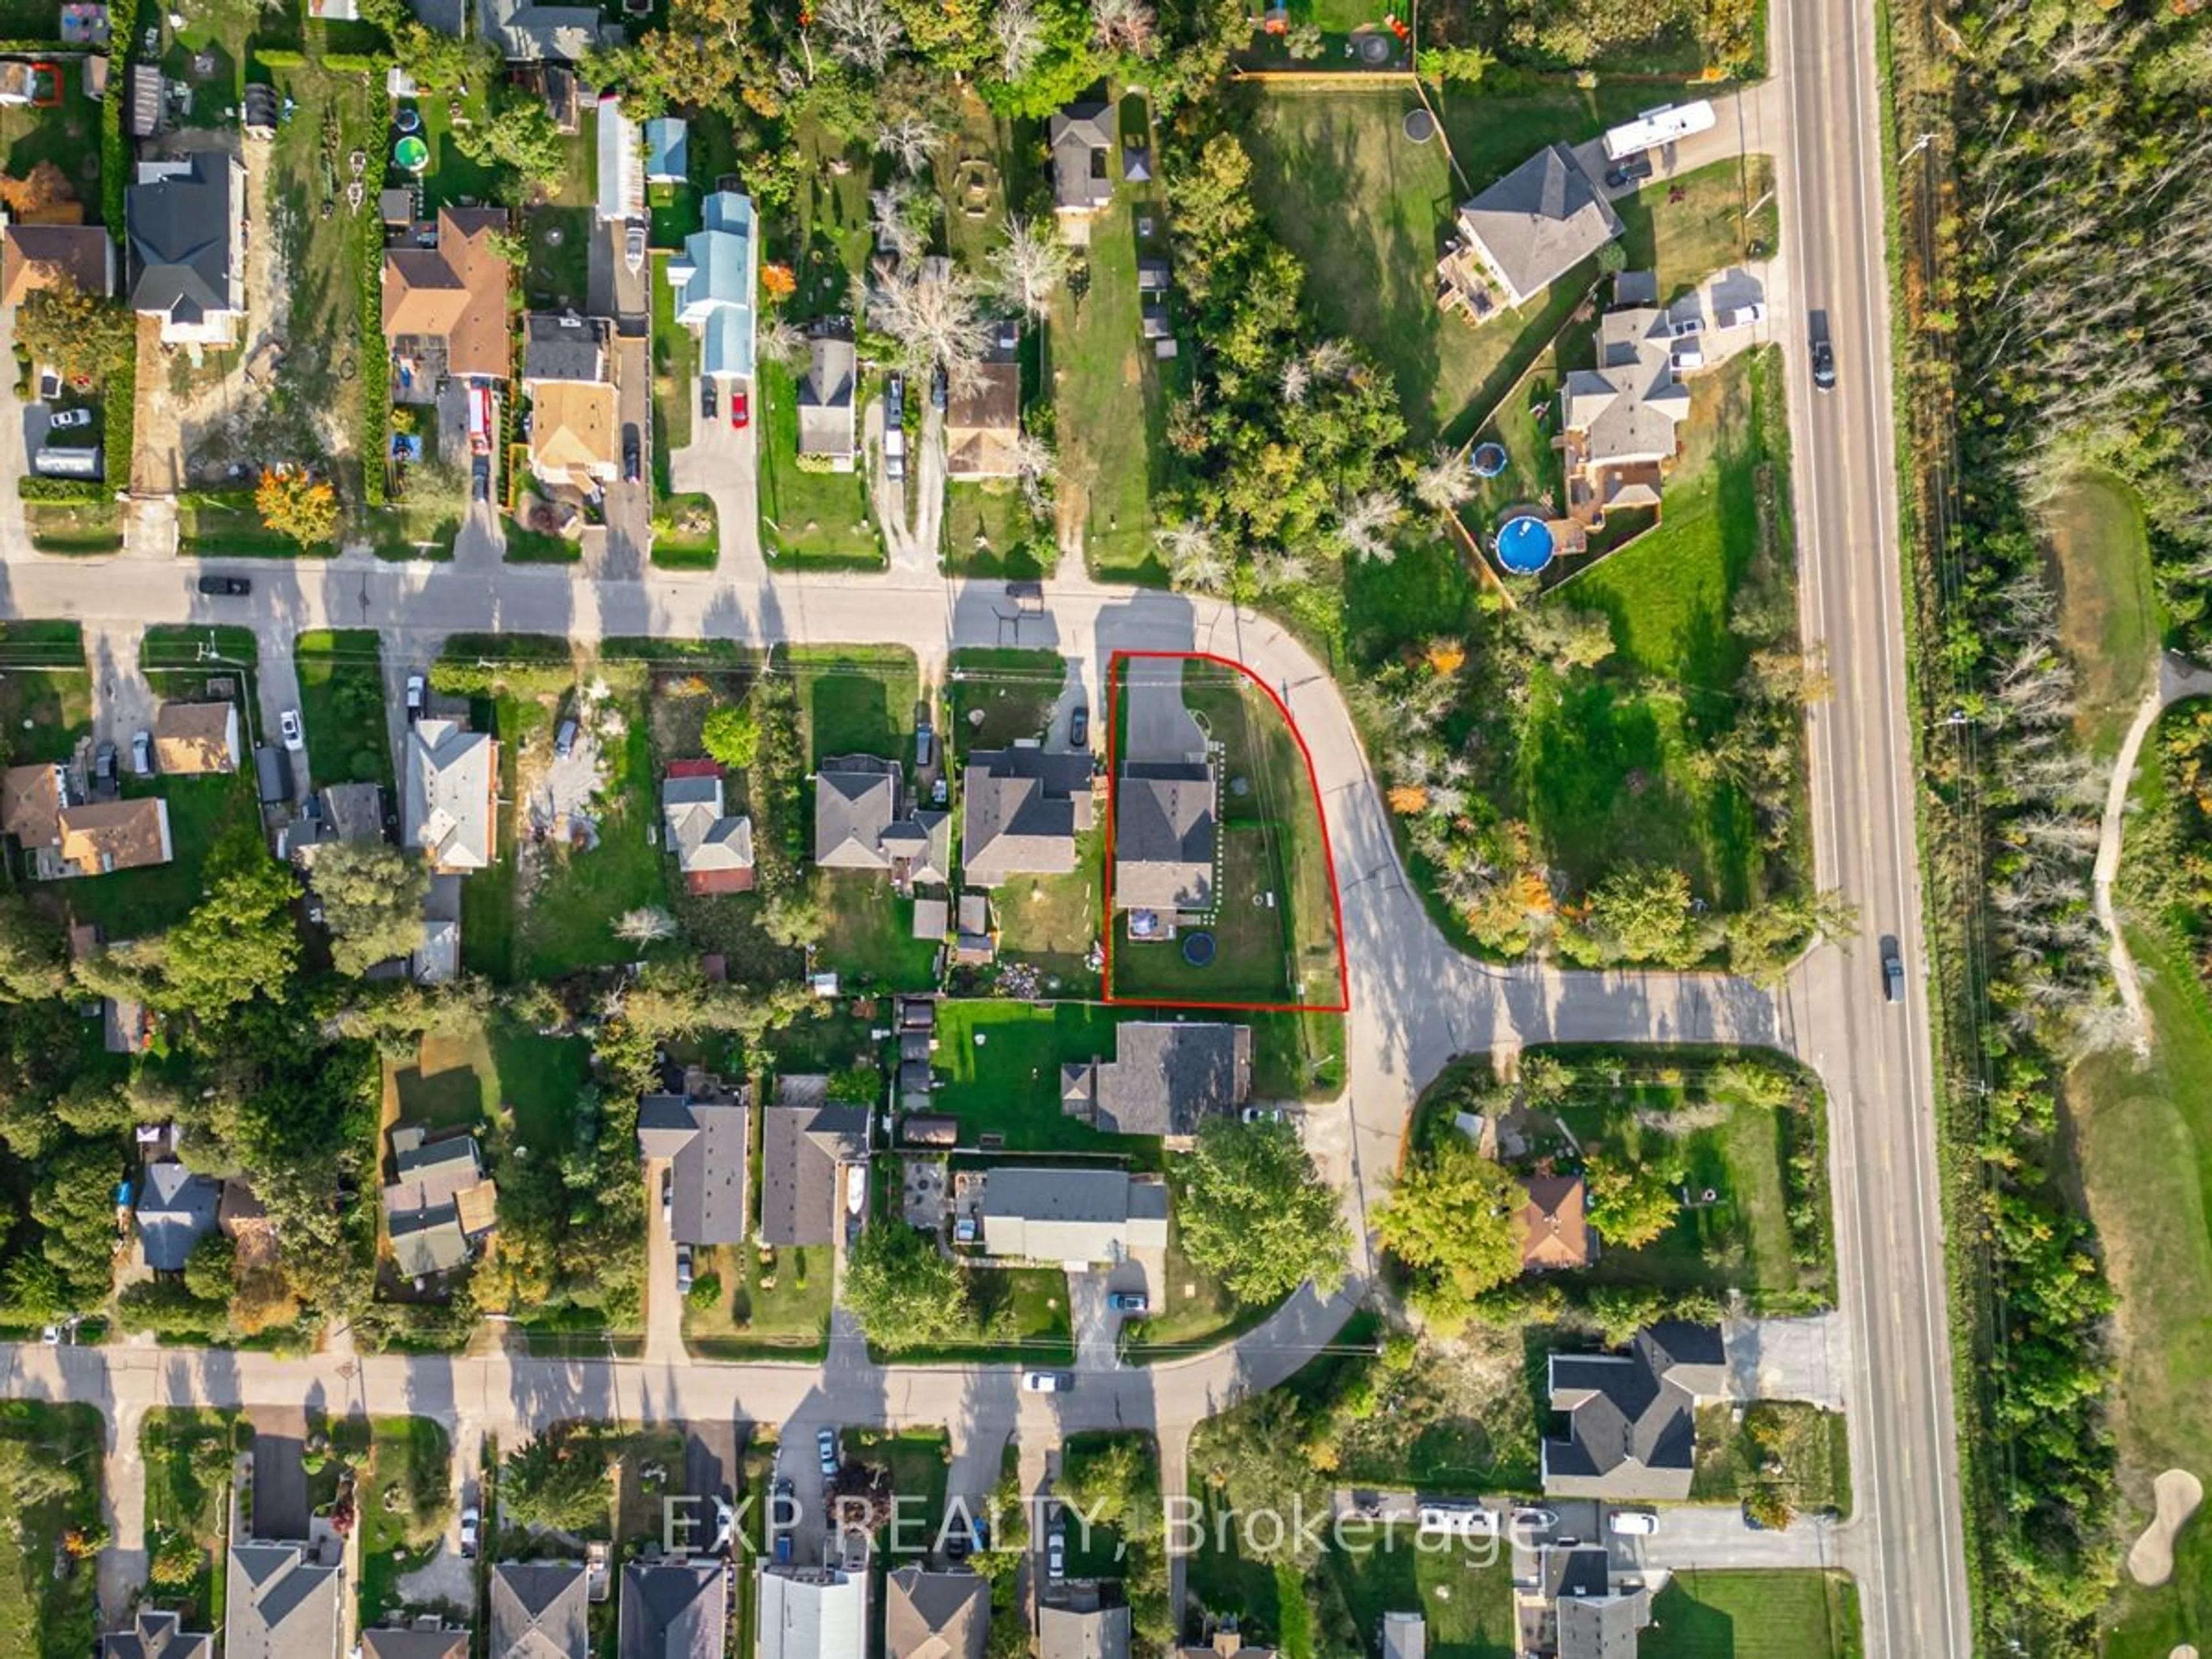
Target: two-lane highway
(1874,1055)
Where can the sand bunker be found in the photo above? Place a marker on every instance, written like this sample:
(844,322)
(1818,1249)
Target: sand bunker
(2151,1562)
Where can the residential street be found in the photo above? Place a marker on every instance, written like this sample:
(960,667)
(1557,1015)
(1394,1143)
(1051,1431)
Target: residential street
(1416,1002)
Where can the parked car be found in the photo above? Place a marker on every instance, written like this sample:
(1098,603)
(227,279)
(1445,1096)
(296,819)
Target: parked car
(65,420)
(1128,1301)
(1056,1554)
(682,1270)
(235,588)
(564,740)
(1262,1115)
(825,1444)
(418,692)
(1535,1520)
(480,477)
(1893,972)
(1634,1523)
(668,1198)
(634,247)
(295,738)
(1079,726)
(707,408)
(103,766)
(925,745)
(1632,170)
(141,754)
(1824,366)
(894,402)
(633,454)
(939,390)
(1048,1381)
(1742,316)
(741,409)
(472,1531)
(726,1520)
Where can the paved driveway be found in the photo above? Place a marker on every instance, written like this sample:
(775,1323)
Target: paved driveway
(280,1475)
(723,463)
(1160,727)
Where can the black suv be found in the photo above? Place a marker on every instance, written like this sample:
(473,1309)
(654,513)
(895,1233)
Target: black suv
(1824,366)
(236,588)
(1632,171)
(633,454)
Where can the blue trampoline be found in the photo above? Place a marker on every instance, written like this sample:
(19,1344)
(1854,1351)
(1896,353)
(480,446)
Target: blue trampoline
(1488,460)
(1525,545)
(1197,949)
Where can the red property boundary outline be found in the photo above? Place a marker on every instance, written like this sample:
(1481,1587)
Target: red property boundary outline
(1343,1003)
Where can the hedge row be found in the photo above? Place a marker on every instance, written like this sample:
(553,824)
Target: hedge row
(73,491)
(375,360)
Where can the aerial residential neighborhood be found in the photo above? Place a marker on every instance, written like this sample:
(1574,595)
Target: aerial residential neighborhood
(891,830)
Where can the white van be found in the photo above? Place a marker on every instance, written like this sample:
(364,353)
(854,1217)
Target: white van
(1634,1523)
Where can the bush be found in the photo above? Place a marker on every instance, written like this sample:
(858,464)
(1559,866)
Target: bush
(705,1292)
(78,490)
(279,58)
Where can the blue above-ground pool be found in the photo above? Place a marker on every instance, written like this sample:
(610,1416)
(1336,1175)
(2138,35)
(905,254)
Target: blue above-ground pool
(1524,545)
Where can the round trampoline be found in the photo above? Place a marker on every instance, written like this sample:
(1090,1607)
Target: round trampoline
(1420,125)
(1488,460)
(1197,949)
(411,153)
(1374,49)
(1524,545)
(407,120)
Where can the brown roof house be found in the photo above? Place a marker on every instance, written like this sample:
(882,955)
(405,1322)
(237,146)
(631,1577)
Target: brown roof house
(196,739)
(31,801)
(983,421)
(104,836)
(862,823)
(1163,839)
(568,372)
(445,306)
(1631,1417)
(1555,1231)
(1020,812)
(1618,420)
(1523,233)
(936,1615)
(714,849)
(438,1202)
(805,1153)
(35,257)
(1164,1079)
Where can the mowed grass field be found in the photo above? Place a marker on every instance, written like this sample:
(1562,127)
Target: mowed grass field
(1755,1615)
(2092,527)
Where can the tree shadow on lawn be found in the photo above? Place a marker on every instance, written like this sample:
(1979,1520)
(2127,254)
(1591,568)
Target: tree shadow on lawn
(851,714)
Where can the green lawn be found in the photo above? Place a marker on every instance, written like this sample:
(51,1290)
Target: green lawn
(342,705)
(2143,1145)
(686,532)
(188,1456)
(675,361)
(833,237)
(991,535)
(1192,1310)
(869,932)
(567,918)
(1248,934)
(452,177)
(1022,1319)
(1002,1063)
(488,896)
(45,1613)
(917,1463)
(1014,690)
(540,1076)
(1798,1451)
(1111,408)
(856,700)
(778,1309)
(407,1495)
(91,527)
(1052,922)
(43,710)
(1755,1615)
(2109,619)
(1466,1601)
(818,519)
(130,903)
(67,133)
(219,526)
(1723,209)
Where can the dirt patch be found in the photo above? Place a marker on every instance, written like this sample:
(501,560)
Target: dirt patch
(2150,1559)
(561,794)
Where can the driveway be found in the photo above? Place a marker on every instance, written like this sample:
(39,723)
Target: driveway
(721,462)
(280,1473)
(123,703)
(663,1309)
(1788,1358)
(1160,727)
(627,545)
(1706,1536)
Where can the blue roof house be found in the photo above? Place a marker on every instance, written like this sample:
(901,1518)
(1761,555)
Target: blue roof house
(667,151)
(715,279)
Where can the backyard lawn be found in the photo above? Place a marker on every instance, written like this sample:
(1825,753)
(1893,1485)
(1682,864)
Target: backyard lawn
(188,1456)
(1111,408)
(45,691)
(1000,1062)
(129,903)
(46,1595)
(817,520)
(1755,1615)
(778,1309)
(2108,612)
(868,932)
(342,705)
(1467,1600)
(1051,923)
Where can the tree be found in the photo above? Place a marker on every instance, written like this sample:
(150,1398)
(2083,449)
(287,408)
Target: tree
(1019,34)
(732,736)
(933,316)
(209,1267)
(1029,266)
(238,942)
(293,502)
(1256,1213)
(372,895)
(1194,560)
(80,336)
(645,927)
(1464,64)
(1115,1485)
(1630,1204)
(560,1480)
(1443,482)
(794,919)
(44,186)
(1642,913)
(906,1293)
(1366,522)
(520,135)
(74,1204)
(1451,1218)
(862,33)
(34,963)
(1565,637)
(1125,26)
(910,140)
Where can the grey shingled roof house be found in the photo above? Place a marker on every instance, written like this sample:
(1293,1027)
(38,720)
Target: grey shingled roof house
(936,1615)
(825,402)
(1082,139)
(1537,223)
(411,1643)
(1163,1079)
(156,1636)
(539,1610)
(175,1212)
(1163,836)
(1631,1417)
(859,824)
(1020,812)
(282,1603)
(188,229)
(1584,1616)
(1039,1214)
(704,1141)
(674,1609)
(438,1202)
(802,1148)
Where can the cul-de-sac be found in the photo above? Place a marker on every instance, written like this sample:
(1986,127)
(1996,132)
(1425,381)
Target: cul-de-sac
(972,829)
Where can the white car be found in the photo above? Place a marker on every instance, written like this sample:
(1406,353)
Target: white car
(296,740)
(65,419)
(418,689)
(1634,1523)
(471,1531)
(1042,1382)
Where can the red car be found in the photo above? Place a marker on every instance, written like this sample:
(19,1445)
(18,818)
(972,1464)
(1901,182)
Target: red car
(741,408)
